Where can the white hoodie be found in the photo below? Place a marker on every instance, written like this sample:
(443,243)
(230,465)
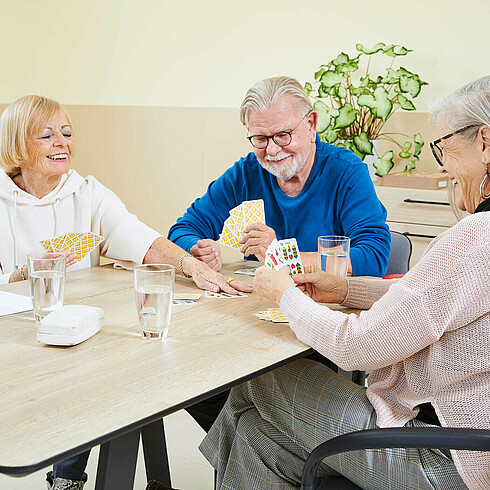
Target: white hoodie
(77,204)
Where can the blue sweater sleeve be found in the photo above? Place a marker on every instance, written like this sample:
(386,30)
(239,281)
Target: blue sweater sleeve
(363,219)
(206,215)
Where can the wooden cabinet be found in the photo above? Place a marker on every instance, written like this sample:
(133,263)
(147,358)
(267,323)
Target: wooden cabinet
(420,213)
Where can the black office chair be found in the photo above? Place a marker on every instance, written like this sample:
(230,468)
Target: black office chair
(401,251)
(404,437)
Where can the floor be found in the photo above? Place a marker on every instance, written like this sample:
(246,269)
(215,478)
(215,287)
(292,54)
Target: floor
(183,437)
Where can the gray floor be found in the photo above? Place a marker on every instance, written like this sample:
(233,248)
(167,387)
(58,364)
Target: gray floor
(190,471)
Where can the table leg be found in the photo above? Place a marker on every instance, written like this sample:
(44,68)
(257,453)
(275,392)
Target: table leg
(155,451)
(117,463)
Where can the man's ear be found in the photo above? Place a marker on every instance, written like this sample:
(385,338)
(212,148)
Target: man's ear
(312,120)
(485,138)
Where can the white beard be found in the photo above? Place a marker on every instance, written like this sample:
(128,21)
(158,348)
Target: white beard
(285,171)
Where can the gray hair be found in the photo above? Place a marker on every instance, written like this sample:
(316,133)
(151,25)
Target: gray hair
(266,93)
(468,105)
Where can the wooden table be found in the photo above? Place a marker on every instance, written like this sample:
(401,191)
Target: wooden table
(59,401)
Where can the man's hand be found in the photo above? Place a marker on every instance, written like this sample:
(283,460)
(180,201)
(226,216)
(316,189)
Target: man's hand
(206,278)
(270,285)
(208,251)
(320,286)
(256,239)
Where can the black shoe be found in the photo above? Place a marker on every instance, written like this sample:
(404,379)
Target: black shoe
(156,485)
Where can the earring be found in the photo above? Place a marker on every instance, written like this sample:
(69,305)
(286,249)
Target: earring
(482,186)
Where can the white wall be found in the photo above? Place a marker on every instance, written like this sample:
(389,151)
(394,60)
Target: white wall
(198,53)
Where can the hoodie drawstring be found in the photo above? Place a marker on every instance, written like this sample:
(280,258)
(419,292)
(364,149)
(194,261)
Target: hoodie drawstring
(14,226)
(56,216)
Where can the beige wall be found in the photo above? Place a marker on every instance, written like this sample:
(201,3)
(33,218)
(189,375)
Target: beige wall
(207,53)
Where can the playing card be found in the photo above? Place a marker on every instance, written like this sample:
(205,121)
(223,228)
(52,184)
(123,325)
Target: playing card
(276,315)
(253,212)
(187,296)
(177,302)
(79,243)
(247,272)
(212,294)
(264,315)
(273,259)
(290,256)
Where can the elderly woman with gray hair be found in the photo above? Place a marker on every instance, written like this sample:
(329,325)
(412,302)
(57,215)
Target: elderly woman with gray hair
(425,339)
(41,197)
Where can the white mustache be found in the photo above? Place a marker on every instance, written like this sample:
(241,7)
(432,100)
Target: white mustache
(276,158)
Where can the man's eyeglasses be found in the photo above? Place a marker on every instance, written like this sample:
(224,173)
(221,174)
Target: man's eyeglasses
(282,138)
(437,150)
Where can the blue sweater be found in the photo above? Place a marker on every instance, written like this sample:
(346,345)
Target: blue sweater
(337,199)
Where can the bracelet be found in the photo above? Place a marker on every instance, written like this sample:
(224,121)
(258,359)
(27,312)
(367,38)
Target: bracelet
(181,269)
(21,272)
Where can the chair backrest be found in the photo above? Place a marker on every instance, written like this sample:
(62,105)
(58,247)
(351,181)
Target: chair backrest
(401,251)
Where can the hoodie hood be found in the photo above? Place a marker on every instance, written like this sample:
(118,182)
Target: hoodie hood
(69,184)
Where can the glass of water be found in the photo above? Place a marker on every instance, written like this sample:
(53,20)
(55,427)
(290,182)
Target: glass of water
(46,282)
(154,289)
(333,254)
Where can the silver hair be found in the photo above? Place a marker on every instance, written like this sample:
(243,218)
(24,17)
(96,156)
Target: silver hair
(468,105)
(266,93)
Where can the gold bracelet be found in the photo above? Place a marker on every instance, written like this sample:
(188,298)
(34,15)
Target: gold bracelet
(181,269)
(21,272)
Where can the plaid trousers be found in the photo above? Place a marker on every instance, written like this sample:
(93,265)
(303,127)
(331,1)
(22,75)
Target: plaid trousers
(270,424)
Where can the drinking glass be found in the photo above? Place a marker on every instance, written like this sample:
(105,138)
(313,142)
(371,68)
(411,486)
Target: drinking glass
(154,290)
(333,254)
(46,282)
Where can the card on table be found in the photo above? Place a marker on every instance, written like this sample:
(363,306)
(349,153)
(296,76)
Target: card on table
(185,298)
(247,272)
(79,243)
(212,294)
(272,315)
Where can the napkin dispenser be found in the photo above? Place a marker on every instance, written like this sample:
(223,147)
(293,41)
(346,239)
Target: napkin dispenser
(70,325)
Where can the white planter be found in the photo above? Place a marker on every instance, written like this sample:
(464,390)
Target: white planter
(370,159)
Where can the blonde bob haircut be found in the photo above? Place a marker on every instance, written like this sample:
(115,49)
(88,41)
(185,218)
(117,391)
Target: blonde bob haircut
(19,121)
(264,94)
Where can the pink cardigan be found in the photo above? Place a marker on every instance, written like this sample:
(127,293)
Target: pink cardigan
(426,337)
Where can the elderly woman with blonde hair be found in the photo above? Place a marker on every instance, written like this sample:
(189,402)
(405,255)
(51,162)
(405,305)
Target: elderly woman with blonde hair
(42,197)
(425,339)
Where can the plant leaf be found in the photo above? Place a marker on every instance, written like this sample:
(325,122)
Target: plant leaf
(419,143)
(330,78)
(341,59)
(405,104)
(347,115)
(391,50)
(331,136)
(308,88)
(363,143)
(384,164)
(406,153)
(411,84)
(377,47)
(319,73)
(409,166)
(380,104)
(325,115)
(341,92)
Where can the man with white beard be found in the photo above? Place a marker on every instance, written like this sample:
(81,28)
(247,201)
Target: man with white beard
(310,188)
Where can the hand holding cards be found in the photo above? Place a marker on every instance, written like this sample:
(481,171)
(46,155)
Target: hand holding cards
(284,252)
(79,243)
(245,214)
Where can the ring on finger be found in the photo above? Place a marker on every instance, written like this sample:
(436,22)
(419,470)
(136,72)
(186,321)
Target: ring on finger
(230,279)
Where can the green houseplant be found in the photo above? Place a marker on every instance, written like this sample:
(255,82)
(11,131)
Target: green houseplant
(353,104)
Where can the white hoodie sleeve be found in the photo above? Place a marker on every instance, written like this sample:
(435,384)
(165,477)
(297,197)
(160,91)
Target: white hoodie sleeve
(126,237)
(4,278)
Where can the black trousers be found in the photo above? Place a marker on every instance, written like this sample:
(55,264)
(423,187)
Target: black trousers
(205,412)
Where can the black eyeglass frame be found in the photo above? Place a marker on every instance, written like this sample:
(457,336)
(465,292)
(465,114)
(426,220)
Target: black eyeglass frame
(433,144)
(289,133)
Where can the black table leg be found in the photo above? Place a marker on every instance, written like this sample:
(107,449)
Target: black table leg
(117,463)
(155,451)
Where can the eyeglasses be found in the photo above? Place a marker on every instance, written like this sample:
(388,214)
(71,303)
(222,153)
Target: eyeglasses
(282,138)
(437,150)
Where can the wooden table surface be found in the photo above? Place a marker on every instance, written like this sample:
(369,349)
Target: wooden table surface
(56,399)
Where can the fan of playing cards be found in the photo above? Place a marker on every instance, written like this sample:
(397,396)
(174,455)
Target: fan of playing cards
(284,252)
(245,214)
(79,243)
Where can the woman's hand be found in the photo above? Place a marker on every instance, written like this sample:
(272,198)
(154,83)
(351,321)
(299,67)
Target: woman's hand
(71,257)
(206,278)
(320,286)
(270,285)
(208,251)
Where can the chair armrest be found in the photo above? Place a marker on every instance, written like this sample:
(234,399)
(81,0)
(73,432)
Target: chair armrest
(403,437)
